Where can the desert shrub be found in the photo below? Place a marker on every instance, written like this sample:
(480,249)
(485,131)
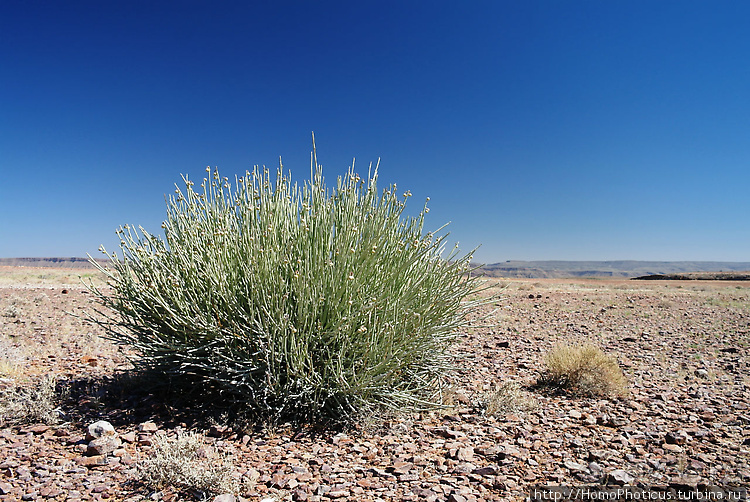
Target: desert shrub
(584,370)
(32,403)
(508,397)
(299,302)
(186,462)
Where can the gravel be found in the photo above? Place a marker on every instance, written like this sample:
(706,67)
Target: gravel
(685,423)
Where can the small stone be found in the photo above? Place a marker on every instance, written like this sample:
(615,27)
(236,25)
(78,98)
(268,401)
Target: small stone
(5,488)
(462,398)
(448,433)
(574,466)
(618,477)
(489,470)
(685,483)
(36,429)
(676,437)
(50,492)
(226,497)
(92,461)
(145,440)
(279,480)
(129,437)
(594,467)
(99,429)
(252,475)
(455,497)
(400,468)
(337,494)
(147,427)
(217,431)
(701,373)
(575,414)
(465,454)
(588,419)
(674,448)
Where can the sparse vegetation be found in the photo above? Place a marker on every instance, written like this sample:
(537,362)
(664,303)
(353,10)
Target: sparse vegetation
(584,370)
(32,403)
(507,397)
(667,382)
(298,302)
(187,463)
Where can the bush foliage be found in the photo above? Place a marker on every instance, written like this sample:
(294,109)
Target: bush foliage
(301,302)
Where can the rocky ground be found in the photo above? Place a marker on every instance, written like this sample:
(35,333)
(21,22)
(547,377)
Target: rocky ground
(685,423)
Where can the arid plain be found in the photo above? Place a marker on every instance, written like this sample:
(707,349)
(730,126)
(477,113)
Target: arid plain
(684,423)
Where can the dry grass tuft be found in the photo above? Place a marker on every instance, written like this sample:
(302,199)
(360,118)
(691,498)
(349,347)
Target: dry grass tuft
(186,462)
(30,404)
(508,397)
(584,370)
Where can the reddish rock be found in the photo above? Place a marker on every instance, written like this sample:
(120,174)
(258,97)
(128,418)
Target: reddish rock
(92,461)
(147,427)
(103,446)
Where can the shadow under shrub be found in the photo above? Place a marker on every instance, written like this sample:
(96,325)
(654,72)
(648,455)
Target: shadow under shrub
(300,303)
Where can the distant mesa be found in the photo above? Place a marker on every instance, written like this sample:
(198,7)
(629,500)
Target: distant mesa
(553,269)
(47,262)
(698,276)
(622,269)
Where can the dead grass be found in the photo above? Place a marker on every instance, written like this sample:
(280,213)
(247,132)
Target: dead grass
(507,397)
(584,370)
(187,463)
(34,403)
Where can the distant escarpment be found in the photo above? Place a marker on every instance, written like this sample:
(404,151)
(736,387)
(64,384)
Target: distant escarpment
(625,269)
(697,276)
(72,262)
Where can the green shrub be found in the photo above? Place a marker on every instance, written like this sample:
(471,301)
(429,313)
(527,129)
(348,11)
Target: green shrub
(584,370)
(300,302)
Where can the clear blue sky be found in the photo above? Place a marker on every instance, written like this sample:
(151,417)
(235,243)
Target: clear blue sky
(566,129)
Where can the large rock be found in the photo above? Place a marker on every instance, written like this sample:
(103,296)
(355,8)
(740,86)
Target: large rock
(99,429)
(102,439)
(103,445)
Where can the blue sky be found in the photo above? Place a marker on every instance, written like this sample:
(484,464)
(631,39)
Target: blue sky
(575,130)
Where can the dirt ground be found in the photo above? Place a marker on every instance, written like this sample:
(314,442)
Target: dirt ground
(683,425)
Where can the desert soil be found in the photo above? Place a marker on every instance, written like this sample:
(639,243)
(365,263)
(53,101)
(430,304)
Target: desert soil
(685,422)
